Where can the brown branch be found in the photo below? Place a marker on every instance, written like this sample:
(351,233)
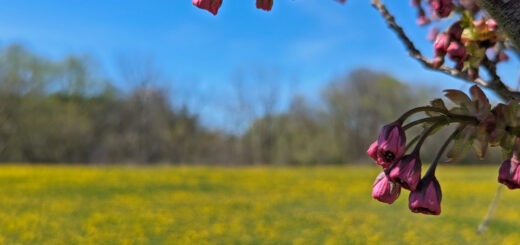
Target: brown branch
(495,84)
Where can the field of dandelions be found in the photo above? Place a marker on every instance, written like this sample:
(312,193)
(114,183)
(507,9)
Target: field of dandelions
(244,205)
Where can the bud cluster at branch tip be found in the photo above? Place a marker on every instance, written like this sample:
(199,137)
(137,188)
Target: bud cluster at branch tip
(478,124)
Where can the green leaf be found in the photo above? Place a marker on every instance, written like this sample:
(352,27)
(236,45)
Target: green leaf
(461,99)
(480,99)
(511,112)
(437,103)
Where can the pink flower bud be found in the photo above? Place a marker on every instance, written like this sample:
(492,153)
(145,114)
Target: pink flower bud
(455,31)
(442,8)
(384,190)
(264,4)
(492,24)
(391,145)
(441,44)
(407,172)
(427,197)
(372,150)
(509,173)
(456,51)
(209,5)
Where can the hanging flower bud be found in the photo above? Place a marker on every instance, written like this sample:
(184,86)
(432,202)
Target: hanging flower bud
(427,197)
(384,190)
(407,172)
(264,4)
(509,173)
(209,5)
(390,145)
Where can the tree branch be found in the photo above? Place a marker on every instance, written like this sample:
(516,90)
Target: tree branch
(507,15)
(495,84)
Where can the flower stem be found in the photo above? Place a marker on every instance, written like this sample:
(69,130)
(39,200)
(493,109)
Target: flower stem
(427,133)
(407,114)
(431,170)
(446,114)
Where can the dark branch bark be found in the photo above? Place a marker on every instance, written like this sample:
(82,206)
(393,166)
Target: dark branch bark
(507,15)
(495,84)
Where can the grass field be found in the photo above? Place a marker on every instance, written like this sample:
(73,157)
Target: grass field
(210,205)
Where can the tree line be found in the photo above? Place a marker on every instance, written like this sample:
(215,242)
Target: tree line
(65,112)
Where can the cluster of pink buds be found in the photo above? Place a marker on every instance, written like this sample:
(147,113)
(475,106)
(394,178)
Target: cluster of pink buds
(214,5)
(468,41)
(402,170)
(438,9)
(479,125)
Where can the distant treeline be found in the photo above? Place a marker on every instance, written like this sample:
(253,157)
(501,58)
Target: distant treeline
(64,112)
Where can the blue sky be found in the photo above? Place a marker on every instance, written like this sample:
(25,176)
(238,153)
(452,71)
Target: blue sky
(302,43)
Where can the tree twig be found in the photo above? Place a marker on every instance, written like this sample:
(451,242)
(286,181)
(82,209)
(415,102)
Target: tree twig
(495,84)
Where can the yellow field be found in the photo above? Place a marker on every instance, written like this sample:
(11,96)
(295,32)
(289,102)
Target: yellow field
(210,205)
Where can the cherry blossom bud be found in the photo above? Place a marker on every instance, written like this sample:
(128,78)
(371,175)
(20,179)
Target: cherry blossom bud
(384,190)
(407,172)
(509,173)
(456,51)
(441,44)
(427,197)
(372,150)
(492,24)
(455,31)
(266,5)
(442,8)
(209,5)
(391,145)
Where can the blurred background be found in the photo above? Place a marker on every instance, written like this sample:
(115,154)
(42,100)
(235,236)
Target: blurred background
(309,83)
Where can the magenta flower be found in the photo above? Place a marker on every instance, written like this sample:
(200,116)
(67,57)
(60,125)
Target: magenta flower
(264,4)
(427,197)
(390,146)
(509,173)
(384,190)
(407,172)
(209,5)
